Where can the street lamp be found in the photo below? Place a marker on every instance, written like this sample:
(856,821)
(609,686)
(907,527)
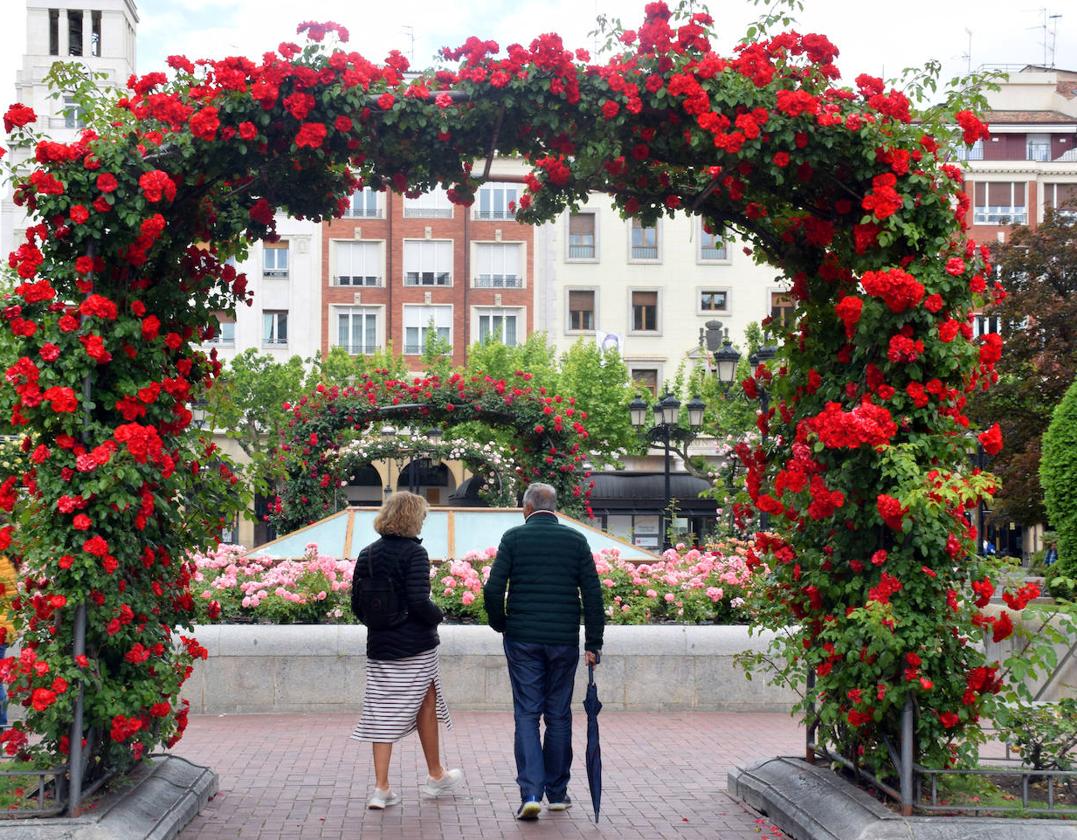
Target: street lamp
(666,416)
(726,358)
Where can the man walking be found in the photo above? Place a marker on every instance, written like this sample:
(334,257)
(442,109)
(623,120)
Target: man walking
(547,568)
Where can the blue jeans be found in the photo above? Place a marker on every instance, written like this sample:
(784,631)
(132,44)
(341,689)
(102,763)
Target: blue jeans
(542,678)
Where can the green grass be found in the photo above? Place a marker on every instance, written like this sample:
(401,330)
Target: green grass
(14,789)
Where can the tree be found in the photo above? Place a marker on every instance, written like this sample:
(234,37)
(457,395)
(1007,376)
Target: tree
(1058,473)
(339,367)
(246,404)
(1038,269)
(598,380)
(536,356)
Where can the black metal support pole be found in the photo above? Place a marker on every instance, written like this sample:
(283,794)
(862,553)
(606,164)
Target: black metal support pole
(981,462)
(75,748)
(907,749)
(809,735)
(764,403)
(663,523)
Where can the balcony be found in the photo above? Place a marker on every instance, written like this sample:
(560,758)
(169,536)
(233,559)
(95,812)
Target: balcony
(275,272)
(495,215)
(356,280)
(1000,216)
(427,212)
(1038,151)
(498,281)
(364,349)
(581,252)
(645,252)
(427,278)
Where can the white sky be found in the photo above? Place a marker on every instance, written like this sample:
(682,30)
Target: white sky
(873,37)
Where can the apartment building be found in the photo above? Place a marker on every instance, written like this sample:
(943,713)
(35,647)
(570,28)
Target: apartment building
(100,34)
(647,289)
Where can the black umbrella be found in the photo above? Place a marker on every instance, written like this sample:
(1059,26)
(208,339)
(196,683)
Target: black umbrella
(592,706)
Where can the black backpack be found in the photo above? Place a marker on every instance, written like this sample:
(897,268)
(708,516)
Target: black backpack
(379,602)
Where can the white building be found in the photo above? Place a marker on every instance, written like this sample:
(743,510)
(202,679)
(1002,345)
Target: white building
(285,317)
(100,34)
(647,290)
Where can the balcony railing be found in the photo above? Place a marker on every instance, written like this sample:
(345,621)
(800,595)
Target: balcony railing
(1000,216)
(427,278)
(363,213)
(364,349)
(357,280)
(496,214)
(713,254)
(427,212)
(498,281)
(644,252)
(581,252)
(1038,151)
(275,272)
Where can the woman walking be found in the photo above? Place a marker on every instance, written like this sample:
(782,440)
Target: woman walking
(403,681)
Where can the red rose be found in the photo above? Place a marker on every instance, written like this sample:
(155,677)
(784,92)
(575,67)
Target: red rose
(96,545)
(610,109)
(49,352)
(62,399)
(848,309)
(151,325)
(949,719)
(156,185)
(891,510)
(261,212)
(204,124)
(991,440)
(385,101)
(311,135)
(247,130)
(79,214)
(972,128)
(955,266)
(343,123)
(17,116)
(106,182)
(42,698)
(1003,627)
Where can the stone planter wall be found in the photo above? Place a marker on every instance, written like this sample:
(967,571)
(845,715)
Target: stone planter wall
(264,668)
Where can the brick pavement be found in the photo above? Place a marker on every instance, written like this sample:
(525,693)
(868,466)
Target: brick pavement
(299,777)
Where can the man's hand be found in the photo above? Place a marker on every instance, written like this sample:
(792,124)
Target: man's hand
(592,658)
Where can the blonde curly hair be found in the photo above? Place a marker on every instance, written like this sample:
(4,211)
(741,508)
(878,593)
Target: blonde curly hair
(402,515)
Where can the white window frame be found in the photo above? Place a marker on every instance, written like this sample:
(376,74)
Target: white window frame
(282,247)
(657,228)
(704,260)
(659,305)
(1038,147)
(423,244)
(364,311)
(504,280)
(275,342)
(423,324)
(366,211)
(999,214)
(1052,186)
(568,237)
(498,209)
(338,246)
(434,204)
(594,310)
(702,290)
(220,339)
(519,313)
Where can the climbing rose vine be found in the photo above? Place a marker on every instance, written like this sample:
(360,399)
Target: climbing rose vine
(124,269)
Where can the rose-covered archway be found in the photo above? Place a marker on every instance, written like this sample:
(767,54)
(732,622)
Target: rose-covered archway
(550,438)
(872,558)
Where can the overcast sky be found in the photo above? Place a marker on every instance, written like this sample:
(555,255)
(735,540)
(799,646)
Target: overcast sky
(873,37)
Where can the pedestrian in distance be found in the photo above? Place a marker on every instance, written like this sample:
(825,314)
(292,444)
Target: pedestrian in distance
(548,571)
(391,596)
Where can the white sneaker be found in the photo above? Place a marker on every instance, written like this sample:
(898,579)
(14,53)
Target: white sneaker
(382,799)
(434,788)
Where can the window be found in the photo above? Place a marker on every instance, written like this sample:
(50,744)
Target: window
(499,265)
(975,152)
(54,31)
(1062,198)
(275,326)
(497,201)
(275,259)
(983,324)
(644,241)
(432,205)
(499,325)
(95,37)
(645,311)
(646,378)
(357,263)
(226,333)
(1038,147)
(999,203)
(73,117)
(782,308)
(581,236)
(357,329)
(581,310)
(427,262)
(364,204)
(713,300)
(420,322)
(74,31)
(712,246)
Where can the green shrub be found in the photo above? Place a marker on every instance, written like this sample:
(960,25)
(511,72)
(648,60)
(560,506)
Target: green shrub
(1043,734)
(1058,475)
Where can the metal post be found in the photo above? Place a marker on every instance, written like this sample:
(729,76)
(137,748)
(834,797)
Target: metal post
(981,461)
(764,402)
(809,735)
(75,747)
(663,524)
(908,715)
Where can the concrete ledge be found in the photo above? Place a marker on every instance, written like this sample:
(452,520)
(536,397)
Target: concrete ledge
(810,802)
(309,668)
(155,802)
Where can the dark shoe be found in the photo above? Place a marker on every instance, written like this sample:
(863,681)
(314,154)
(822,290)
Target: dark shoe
(560,804)
(529,810)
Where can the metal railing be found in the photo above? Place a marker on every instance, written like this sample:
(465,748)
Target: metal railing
(581,252)
(498,281)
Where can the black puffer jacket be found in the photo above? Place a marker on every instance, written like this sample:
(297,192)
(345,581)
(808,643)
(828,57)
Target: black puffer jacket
(406,561)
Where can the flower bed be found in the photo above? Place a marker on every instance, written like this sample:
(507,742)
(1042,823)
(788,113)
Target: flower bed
(686,586)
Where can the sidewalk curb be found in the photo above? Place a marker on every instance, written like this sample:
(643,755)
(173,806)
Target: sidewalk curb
(155,802)
(810,802)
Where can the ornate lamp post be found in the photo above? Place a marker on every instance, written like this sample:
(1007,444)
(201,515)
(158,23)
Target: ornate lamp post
(667,413)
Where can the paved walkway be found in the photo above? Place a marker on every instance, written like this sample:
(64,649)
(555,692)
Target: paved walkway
(299,777)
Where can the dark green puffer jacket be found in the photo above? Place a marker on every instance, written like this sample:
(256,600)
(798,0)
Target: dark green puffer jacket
(546,567)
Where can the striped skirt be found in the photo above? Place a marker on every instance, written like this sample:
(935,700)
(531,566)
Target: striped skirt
(395,689)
